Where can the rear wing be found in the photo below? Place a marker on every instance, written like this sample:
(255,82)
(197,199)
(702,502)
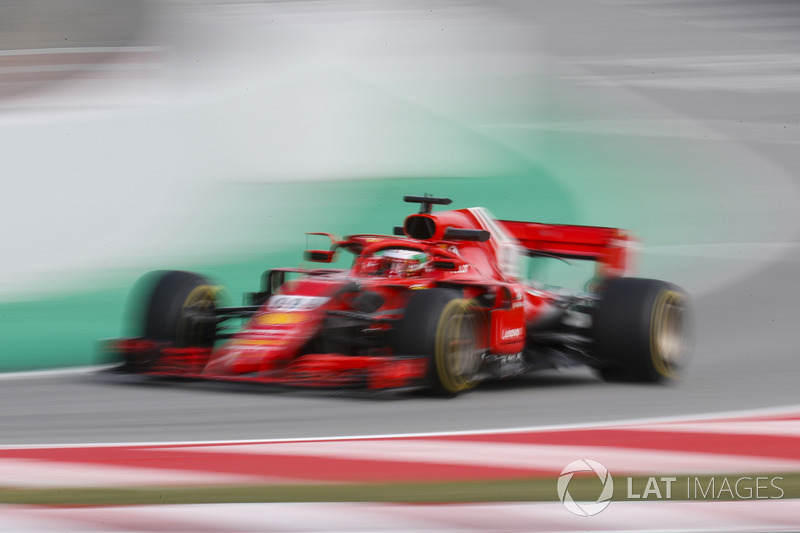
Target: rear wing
(613,249)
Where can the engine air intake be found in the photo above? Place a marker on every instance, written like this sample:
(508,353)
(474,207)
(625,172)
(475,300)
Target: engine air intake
(419,227)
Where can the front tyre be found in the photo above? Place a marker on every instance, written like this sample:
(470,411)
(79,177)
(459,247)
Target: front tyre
(441,325)
(642,330)
(179,309)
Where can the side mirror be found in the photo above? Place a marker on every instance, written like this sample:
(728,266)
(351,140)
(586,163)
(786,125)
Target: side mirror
(465,234)
(319,256)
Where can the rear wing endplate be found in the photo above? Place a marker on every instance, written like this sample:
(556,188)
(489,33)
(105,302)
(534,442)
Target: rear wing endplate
(613,249)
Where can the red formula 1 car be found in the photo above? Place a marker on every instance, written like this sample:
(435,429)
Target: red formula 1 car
(440,305)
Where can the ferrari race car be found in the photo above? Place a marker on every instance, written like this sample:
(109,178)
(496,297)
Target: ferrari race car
(440,304)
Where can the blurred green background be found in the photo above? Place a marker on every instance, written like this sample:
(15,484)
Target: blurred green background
(284,118)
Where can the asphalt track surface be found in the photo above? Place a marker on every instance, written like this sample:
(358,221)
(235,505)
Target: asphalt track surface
(748,345)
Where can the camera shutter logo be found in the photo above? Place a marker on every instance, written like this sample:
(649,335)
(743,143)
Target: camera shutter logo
(585,508)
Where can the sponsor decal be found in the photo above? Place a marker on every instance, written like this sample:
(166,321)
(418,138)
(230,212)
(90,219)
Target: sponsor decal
(510,334)
(287,303)
(280,319)
(504,359)
(258,342)
(241,349)
(267,333)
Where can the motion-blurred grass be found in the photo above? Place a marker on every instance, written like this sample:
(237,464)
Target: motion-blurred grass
(538,489)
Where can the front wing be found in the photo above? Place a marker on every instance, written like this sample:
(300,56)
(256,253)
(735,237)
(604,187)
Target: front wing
(315,370)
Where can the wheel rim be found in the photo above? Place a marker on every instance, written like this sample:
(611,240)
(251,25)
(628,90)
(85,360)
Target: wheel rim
(457,353)
(193,330)
(668,333)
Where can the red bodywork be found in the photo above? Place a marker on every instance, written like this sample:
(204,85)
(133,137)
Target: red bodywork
(277,343)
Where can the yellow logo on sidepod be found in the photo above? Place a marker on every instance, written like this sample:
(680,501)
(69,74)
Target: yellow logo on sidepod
(279,319)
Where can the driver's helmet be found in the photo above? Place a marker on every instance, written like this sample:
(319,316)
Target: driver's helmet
(400,262)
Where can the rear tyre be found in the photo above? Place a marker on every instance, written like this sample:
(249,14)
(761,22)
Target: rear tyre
(441,325)
(642,330)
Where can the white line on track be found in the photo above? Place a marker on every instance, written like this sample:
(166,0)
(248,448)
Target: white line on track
(55,373)
(508,455)
(780,428)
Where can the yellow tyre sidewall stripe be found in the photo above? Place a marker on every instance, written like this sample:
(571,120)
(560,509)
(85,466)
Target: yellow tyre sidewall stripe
(459,308)
(205,292)
(658,318)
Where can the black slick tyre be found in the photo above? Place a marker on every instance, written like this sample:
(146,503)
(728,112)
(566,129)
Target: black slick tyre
(179,309)
(439,324)
(642,330)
